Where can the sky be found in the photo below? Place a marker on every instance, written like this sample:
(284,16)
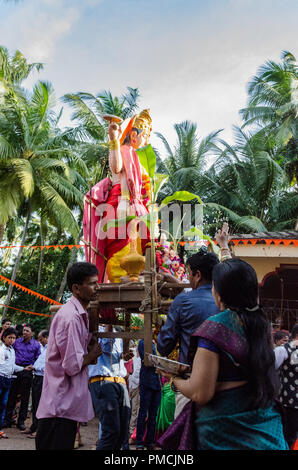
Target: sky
(190,59)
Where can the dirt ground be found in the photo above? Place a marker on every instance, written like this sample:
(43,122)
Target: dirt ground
(18,441)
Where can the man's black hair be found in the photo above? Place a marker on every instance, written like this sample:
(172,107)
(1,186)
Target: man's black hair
(29,326)
(204,262)
(9,331)
(278,335)
(44,333)
(5,320)
(294,331)
(78,272)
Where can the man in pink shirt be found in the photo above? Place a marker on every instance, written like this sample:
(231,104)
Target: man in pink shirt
(65,398)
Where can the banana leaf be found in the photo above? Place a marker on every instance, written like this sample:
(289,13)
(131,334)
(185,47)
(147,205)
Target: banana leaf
(148,159)
(180,196)
(158,181)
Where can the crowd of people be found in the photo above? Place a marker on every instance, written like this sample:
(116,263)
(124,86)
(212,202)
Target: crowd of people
(241,392)
(22,363)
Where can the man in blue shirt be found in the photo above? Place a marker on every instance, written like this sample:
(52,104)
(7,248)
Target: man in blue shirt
(109,393)
(189,310)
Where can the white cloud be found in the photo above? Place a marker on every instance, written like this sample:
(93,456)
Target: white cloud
(37,27)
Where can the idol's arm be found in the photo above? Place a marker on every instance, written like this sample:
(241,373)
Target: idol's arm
(115,159)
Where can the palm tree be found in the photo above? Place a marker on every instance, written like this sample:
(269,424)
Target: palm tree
(273,108)
(37,165)
(185,163)
(13,70)
(248,186)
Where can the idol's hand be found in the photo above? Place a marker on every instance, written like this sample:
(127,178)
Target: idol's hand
(114,131)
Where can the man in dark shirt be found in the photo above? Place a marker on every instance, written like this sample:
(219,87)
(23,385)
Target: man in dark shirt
(150,396)
(189,310)
(27,350)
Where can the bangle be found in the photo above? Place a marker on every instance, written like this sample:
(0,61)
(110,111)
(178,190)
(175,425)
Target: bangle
(114,145)
(125,194)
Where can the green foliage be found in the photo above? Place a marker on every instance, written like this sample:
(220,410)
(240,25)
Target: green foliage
(54,266)
(273,107)
(137,322)
(147,158)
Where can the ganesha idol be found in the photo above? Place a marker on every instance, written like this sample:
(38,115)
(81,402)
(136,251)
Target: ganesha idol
(125,193)
(169,262)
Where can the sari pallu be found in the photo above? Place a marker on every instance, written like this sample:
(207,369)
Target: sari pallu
(94,246)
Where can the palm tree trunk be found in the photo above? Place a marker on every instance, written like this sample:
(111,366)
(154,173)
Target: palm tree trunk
(17,262)
(2,229)
(41,257)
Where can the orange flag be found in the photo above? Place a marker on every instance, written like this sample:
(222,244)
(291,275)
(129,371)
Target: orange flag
(29,291)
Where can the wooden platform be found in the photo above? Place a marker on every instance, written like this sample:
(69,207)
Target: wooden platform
(138,297)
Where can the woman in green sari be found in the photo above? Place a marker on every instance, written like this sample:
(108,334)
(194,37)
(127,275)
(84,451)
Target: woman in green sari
(233,381)
(166,410)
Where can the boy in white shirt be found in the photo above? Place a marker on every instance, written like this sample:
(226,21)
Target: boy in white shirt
(7,368)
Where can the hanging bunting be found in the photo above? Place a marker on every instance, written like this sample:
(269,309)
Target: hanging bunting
(42,247)
(245,241)
(29,291)
(27,311)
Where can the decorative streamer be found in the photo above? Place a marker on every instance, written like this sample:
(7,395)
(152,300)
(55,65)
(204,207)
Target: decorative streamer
(245,241)
(29,291)
(27,311)
(42,247)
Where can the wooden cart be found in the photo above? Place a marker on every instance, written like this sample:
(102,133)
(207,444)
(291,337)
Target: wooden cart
(137,297)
